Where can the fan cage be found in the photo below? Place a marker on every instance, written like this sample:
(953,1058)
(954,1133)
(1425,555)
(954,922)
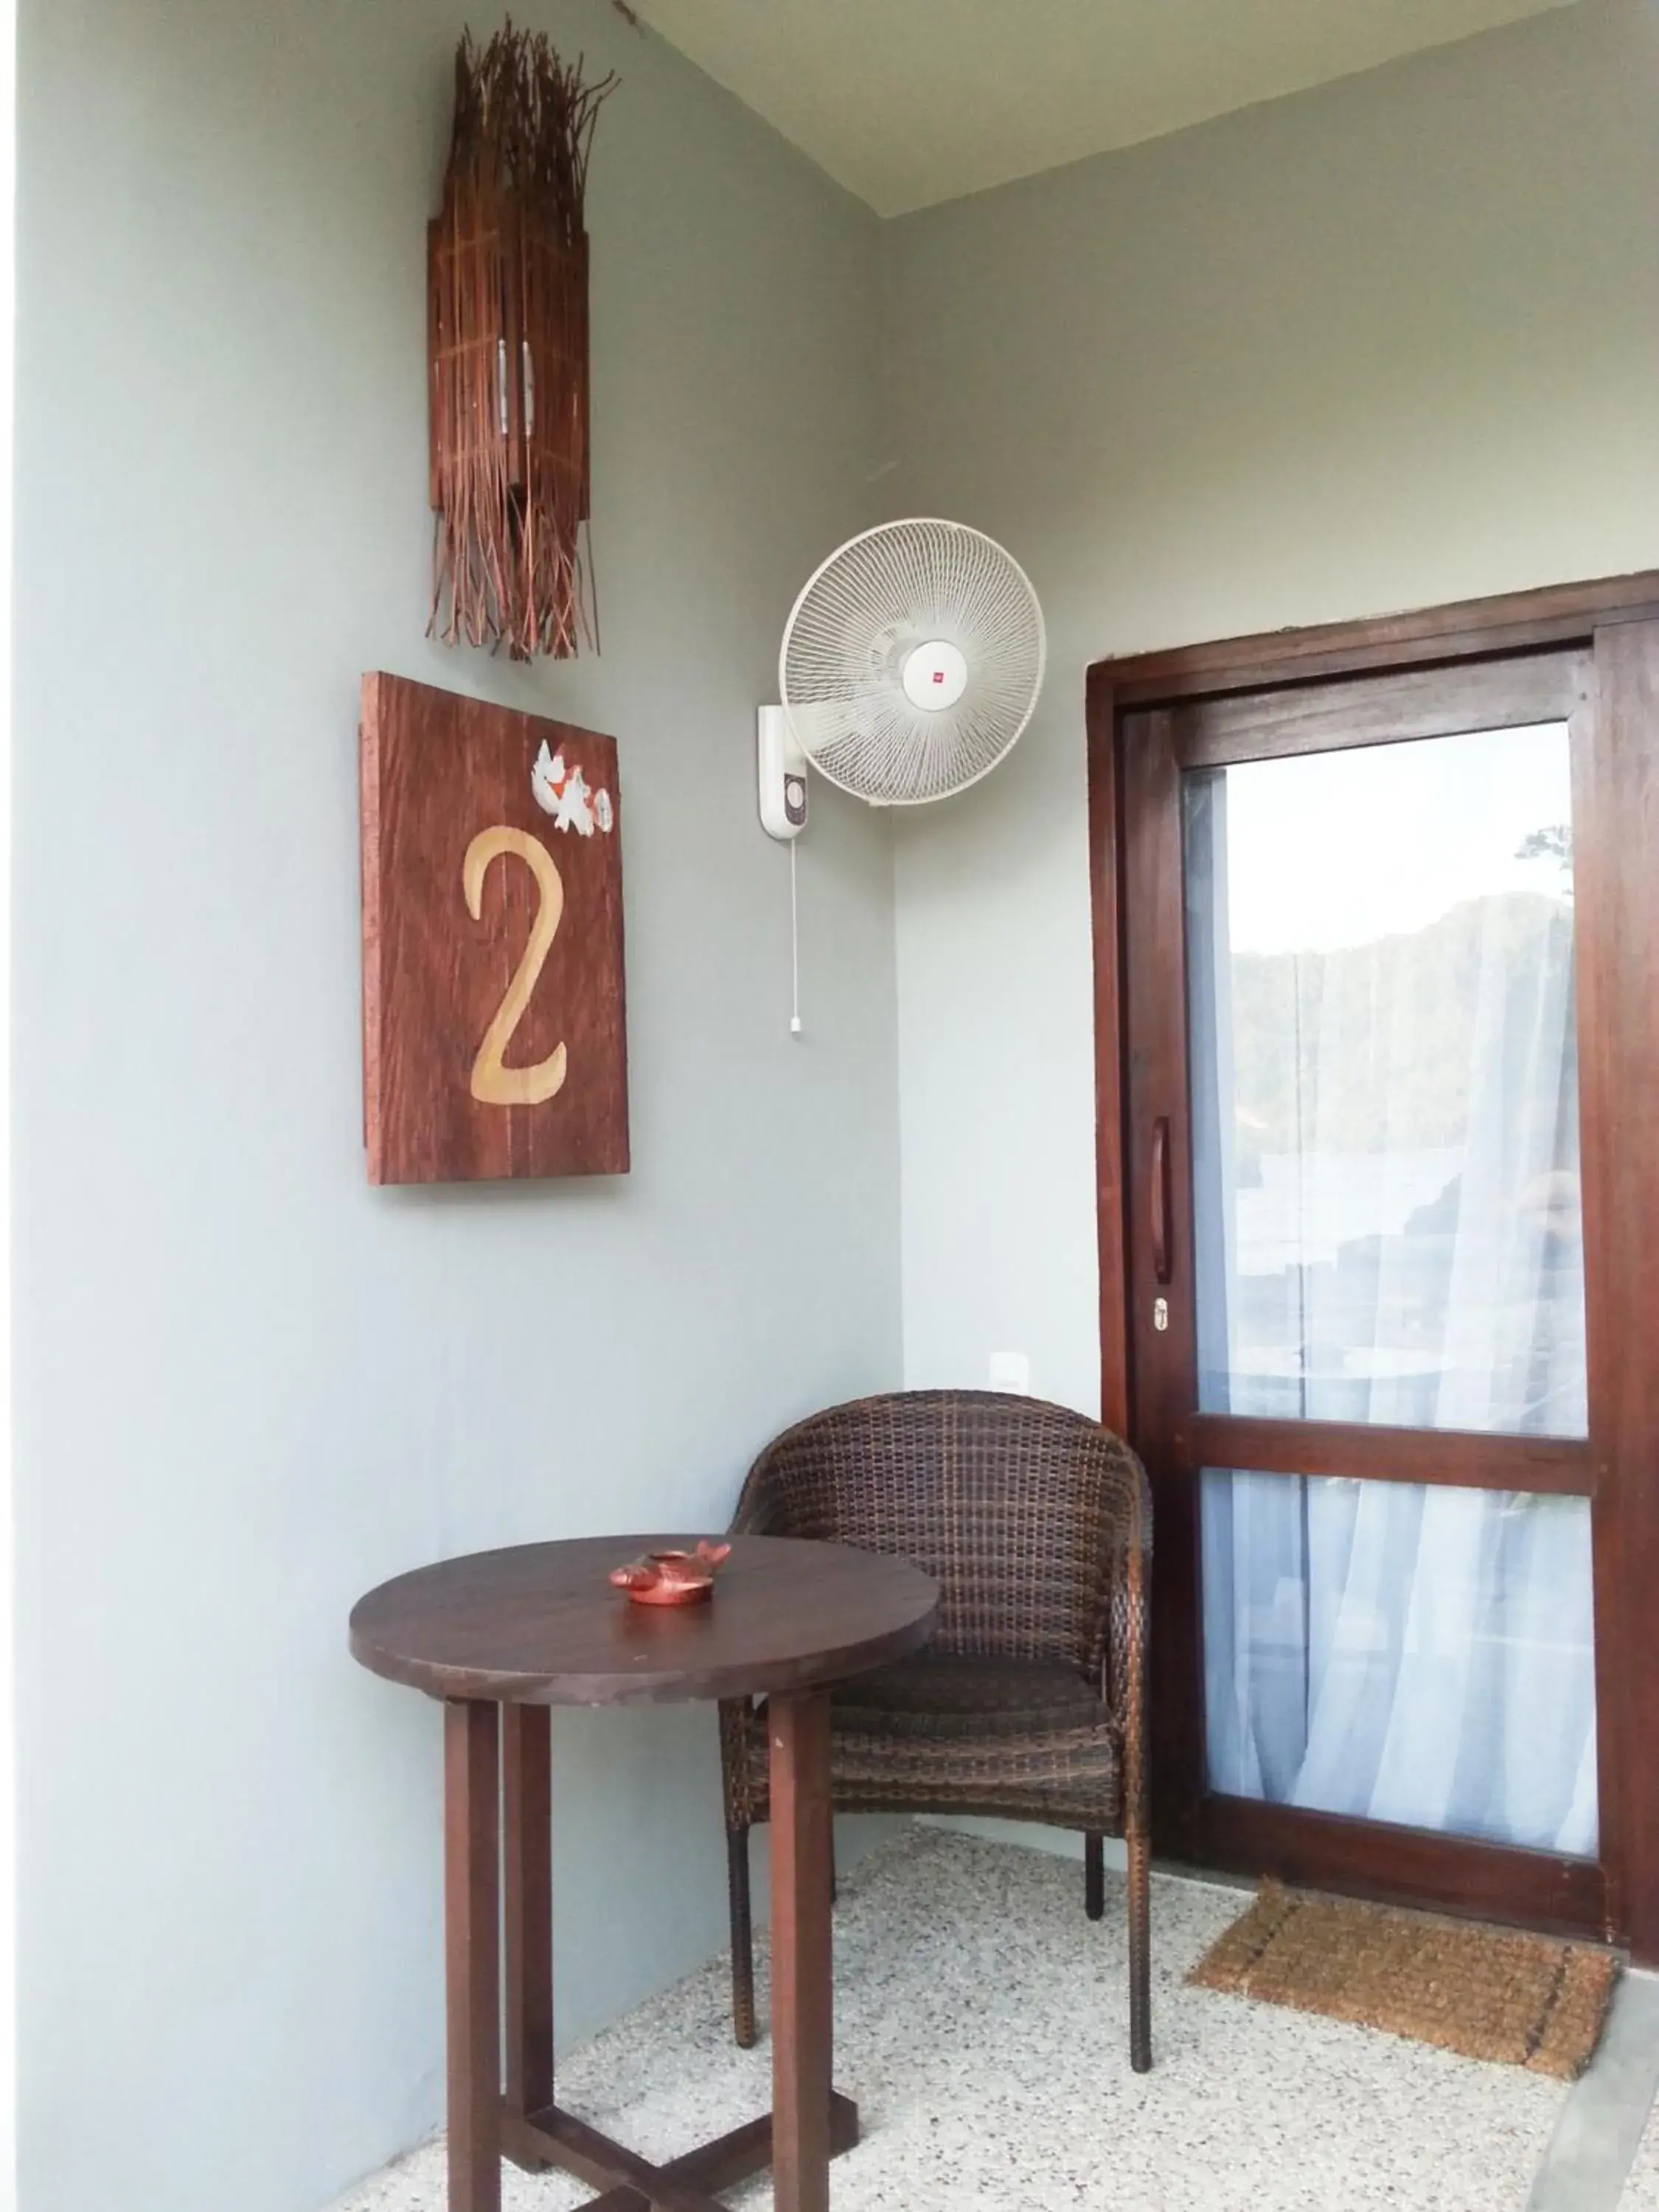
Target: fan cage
(857,617)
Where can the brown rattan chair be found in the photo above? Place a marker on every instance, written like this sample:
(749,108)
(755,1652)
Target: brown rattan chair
(1030,1702)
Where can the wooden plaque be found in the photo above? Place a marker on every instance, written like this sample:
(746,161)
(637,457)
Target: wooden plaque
(494,1038)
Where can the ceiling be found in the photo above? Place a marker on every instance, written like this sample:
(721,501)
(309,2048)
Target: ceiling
(907,102)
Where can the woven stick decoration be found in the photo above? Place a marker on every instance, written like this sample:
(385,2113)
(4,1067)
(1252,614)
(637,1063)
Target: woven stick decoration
(507,345)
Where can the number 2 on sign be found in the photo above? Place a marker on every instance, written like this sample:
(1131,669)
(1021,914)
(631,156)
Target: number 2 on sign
(494,1083)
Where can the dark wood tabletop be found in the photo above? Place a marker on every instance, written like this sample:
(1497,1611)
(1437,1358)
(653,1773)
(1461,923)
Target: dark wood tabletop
(540,1624)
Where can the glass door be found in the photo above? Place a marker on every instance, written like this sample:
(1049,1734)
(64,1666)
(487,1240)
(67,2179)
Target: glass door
(1357,1244)
(1383,1069)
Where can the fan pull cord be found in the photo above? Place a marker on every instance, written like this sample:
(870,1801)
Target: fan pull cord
(795,952)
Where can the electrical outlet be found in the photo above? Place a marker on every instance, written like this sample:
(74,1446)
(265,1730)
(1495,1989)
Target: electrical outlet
(1011,1372)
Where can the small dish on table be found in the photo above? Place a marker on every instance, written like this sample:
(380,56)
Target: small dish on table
(672,1577)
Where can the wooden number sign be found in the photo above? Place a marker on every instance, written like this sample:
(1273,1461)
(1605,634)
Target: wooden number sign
(493,1041)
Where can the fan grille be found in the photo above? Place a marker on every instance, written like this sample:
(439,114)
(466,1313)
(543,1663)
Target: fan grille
(855,624)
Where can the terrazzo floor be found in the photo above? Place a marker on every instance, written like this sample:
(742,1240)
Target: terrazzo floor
(981,2024)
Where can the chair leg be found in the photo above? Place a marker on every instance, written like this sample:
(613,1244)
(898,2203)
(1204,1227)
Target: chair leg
(743,1938)
(1094,1876)
(1140,1955)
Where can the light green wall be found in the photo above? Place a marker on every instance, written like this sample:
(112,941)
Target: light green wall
(1385,344)
(248,1386)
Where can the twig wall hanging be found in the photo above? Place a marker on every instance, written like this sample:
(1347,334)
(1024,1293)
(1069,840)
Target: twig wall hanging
(507,345)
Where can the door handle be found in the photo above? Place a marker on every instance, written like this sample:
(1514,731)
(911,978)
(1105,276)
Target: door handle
(1160,1194)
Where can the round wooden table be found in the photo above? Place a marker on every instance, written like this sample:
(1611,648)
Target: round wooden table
(502,1636)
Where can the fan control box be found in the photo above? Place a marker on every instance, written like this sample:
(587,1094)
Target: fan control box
(782,775)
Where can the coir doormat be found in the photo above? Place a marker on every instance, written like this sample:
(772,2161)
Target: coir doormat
(1484,1992)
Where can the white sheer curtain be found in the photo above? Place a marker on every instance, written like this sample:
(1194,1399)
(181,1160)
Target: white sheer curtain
(1386,1182)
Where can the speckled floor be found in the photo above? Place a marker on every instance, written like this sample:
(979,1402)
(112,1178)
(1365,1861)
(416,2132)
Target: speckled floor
(981,2024)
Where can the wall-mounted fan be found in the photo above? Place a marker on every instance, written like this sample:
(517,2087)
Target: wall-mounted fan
(910,664)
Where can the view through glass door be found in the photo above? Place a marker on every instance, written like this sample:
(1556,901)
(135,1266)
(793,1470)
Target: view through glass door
(1389,1230)
(1356,1249)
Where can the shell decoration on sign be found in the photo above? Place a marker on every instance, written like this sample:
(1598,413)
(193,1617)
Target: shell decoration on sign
(563,792)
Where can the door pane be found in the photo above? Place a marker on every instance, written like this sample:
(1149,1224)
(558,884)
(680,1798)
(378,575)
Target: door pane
(1385,1124)
(1403,1653)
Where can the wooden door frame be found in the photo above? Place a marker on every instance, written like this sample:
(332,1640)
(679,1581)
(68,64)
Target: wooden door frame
(1616,811)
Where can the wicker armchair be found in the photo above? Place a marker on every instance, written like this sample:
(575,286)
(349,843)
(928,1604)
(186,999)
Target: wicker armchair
(1030,1702)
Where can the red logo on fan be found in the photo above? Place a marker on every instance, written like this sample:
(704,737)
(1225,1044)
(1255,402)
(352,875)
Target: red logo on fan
(939,676)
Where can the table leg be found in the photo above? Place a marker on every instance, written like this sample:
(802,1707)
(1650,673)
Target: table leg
(471,1961)
(802,1994)
(526,1804)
